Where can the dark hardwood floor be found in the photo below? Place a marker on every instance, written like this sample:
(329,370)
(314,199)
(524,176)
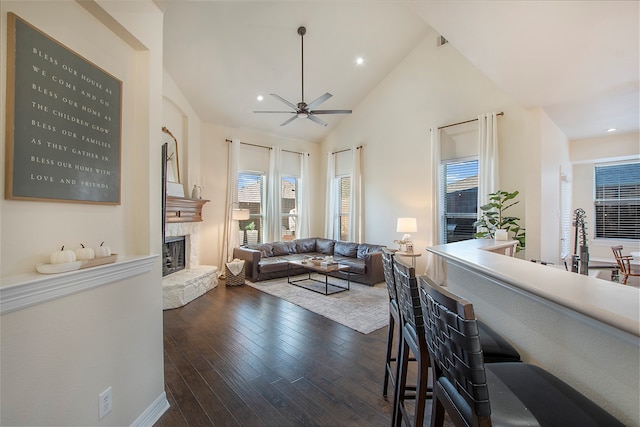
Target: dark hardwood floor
(240,357)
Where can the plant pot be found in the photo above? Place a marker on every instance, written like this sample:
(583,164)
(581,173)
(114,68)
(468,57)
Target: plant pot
(240,237)
(252,237)
(501,235)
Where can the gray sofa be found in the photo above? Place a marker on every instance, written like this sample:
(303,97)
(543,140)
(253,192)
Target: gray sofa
(269,260)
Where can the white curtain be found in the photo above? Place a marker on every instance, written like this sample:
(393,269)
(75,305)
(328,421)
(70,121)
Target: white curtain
(304,207)
(273,225)
(488,176)
(230,239)
(435,264)
(329,224)
(355,214)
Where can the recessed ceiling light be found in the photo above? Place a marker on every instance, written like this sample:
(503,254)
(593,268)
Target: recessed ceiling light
(359,60)
(260,97)
(612,130)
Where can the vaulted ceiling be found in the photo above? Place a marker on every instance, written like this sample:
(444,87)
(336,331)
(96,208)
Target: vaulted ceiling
(579,60)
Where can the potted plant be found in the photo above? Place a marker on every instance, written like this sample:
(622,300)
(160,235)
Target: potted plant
(252,233)
(494,218)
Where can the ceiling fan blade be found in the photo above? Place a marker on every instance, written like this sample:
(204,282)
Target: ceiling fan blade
(330,112)
(315,119)
(295,107)
(286,112)
(289,120)
(319,100)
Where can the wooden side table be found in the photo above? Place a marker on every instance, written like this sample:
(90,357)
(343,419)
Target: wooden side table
(412,255)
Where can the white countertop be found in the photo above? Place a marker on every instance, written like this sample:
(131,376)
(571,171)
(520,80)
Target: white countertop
(611,303)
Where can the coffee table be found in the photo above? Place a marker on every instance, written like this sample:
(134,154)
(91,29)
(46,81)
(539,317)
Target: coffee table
(324,271)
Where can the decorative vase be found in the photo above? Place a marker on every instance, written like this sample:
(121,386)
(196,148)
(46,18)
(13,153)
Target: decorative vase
(240,237)
(195,193)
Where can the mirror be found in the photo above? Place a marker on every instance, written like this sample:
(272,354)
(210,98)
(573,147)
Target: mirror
(173,165)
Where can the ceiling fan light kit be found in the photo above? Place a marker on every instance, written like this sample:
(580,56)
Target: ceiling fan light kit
(301,109)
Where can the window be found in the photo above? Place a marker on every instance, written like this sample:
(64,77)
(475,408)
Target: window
(288,192)
(251,196)
(459,199)
(617,201)
(566,217)
(343,206)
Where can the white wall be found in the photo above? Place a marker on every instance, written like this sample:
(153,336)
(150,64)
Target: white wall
(432,86)
(585,154)
(56,357)
(547,157)
(179,117)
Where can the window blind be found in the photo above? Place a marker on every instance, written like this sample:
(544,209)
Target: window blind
(343,205)
(617,201)
(459,194)
(565,218)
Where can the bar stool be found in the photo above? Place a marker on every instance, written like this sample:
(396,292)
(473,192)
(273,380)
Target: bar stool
(474,393)
(394,321)
(412,340)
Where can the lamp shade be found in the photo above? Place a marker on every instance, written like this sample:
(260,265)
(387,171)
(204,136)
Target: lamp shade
(407,225)
(240,214)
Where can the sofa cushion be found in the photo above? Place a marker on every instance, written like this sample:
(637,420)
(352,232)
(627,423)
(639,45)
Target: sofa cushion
(270,265)
(325,246)
(305,245)
(265,248)
(366,248)
(347,249)
(283,248)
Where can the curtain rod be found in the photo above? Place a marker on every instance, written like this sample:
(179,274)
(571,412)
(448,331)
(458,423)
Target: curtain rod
(346,149)
(466,121)
(268,148)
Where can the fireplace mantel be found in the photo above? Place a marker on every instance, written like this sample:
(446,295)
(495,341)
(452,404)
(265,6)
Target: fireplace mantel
(183,209)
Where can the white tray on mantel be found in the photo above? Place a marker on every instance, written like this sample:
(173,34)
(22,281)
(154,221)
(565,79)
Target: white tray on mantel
(58,268)
(71,266)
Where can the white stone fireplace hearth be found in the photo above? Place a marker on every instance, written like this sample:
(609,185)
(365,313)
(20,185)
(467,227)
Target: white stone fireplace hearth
(184,286)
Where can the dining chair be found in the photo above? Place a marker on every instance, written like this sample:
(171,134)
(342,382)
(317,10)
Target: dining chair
(474,393)
(624,264)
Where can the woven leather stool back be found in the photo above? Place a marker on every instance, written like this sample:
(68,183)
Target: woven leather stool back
(454,346)
(408,296)
(389,278)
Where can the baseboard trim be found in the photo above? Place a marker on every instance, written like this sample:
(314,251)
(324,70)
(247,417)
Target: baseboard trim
(153,413)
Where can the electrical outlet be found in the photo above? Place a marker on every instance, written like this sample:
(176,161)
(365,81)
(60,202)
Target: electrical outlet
(105,402)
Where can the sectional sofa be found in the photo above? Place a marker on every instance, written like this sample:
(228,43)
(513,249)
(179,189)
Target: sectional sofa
(270,260)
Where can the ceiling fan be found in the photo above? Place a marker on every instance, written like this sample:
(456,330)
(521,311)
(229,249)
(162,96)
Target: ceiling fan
(303,110)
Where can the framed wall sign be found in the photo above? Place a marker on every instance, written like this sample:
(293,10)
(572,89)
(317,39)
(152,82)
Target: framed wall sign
(63,139)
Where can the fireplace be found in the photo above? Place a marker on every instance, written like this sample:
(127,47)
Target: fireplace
(191,280)
(173,255)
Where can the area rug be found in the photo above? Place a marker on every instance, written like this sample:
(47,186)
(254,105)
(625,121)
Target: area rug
(363,308)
